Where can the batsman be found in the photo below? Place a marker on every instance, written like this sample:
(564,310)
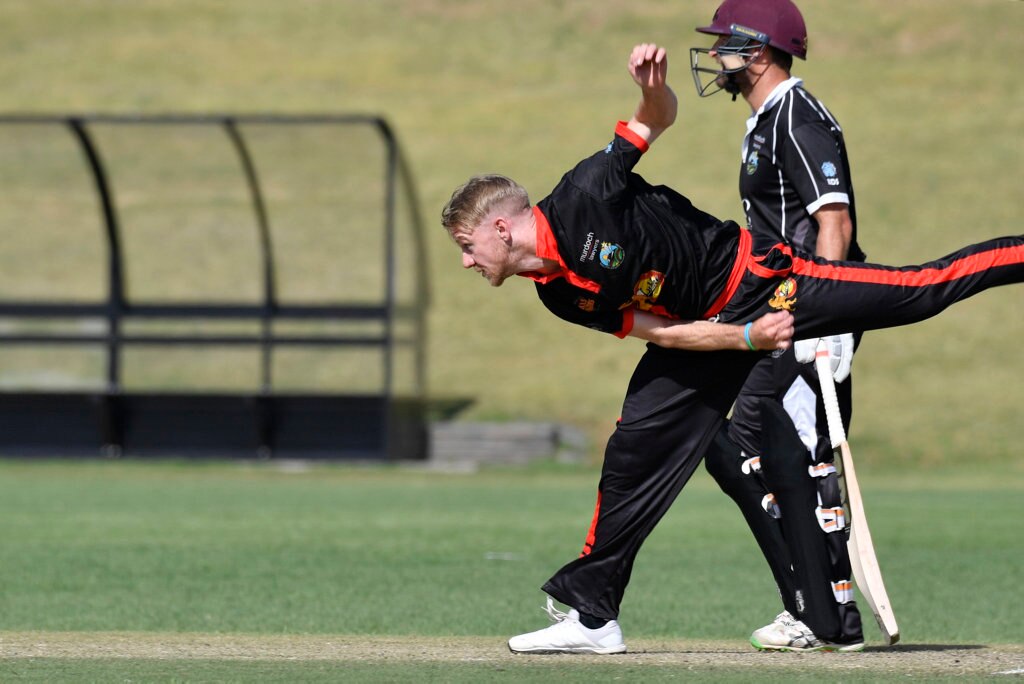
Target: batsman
(796,188)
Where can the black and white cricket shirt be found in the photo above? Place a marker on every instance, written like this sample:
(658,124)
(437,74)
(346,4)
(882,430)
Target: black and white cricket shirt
(794,162)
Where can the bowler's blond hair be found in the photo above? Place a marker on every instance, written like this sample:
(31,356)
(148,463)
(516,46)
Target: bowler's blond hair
(476,198)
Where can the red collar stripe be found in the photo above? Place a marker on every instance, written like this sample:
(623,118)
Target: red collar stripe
(547,248)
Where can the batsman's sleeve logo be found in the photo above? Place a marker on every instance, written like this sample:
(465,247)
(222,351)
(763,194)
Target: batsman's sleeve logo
(784,298)
(829,171)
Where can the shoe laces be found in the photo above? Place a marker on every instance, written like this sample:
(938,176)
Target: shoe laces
(785,618)
(555,614)
(797,630)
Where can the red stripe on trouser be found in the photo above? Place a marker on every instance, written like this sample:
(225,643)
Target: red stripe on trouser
(961,268)
(831,298)
(589,544)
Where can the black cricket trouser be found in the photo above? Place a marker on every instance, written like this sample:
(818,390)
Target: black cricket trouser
(811,566)
(675,404)
(771,378)
(835,297)
(676,400)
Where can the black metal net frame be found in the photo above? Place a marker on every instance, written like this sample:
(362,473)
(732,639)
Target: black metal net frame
(385,424)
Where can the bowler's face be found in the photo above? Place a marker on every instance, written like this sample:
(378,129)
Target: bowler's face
(486,252)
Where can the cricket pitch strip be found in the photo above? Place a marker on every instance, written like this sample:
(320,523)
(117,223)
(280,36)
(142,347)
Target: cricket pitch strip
(921,660)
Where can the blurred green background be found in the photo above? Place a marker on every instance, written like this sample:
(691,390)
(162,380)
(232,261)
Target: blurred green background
(928,92)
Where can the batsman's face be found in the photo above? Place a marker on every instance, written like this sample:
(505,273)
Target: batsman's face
(721,54)
(487,251)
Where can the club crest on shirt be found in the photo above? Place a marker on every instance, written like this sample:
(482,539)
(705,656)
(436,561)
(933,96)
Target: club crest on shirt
(586,304)
(785,296)
(752,163)
(647,290)
(611,255)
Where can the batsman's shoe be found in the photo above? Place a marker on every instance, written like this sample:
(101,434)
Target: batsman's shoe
(786,633)
(567,635)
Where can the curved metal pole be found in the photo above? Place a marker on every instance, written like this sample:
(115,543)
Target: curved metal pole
(390,266)
(266,247)
(422,302)
(398,173)
(391,444)
(115,259)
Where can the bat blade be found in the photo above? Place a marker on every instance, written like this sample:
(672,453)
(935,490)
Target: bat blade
(866,570)
(862,549)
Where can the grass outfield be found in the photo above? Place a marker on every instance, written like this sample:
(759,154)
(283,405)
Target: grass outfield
(226,569)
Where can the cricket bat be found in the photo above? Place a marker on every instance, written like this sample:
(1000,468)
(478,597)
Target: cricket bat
(862,550)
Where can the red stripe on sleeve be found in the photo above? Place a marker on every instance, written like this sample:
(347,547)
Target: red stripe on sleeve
(623,130)
(627,323)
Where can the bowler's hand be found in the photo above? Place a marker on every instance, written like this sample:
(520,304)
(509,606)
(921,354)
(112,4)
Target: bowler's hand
(773,331)
(648,65)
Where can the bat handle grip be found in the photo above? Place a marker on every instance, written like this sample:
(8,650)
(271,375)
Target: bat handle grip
(822,361)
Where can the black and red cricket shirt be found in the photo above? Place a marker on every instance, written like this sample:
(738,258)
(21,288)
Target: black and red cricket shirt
(624,244)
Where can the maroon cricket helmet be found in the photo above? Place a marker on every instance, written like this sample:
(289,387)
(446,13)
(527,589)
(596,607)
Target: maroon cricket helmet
(779,20)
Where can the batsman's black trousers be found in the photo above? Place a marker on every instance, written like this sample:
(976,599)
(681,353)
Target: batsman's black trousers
(676,400)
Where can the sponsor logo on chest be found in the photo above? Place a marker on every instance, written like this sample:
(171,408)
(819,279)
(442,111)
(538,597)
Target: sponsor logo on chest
(589,249)
(611,254)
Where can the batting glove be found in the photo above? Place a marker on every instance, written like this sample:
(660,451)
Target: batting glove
(840,351)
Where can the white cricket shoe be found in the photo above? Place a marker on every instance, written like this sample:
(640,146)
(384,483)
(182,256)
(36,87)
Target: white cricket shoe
(786,633)
(567,635)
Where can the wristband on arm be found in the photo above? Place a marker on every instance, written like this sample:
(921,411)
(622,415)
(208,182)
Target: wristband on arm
(746,336)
